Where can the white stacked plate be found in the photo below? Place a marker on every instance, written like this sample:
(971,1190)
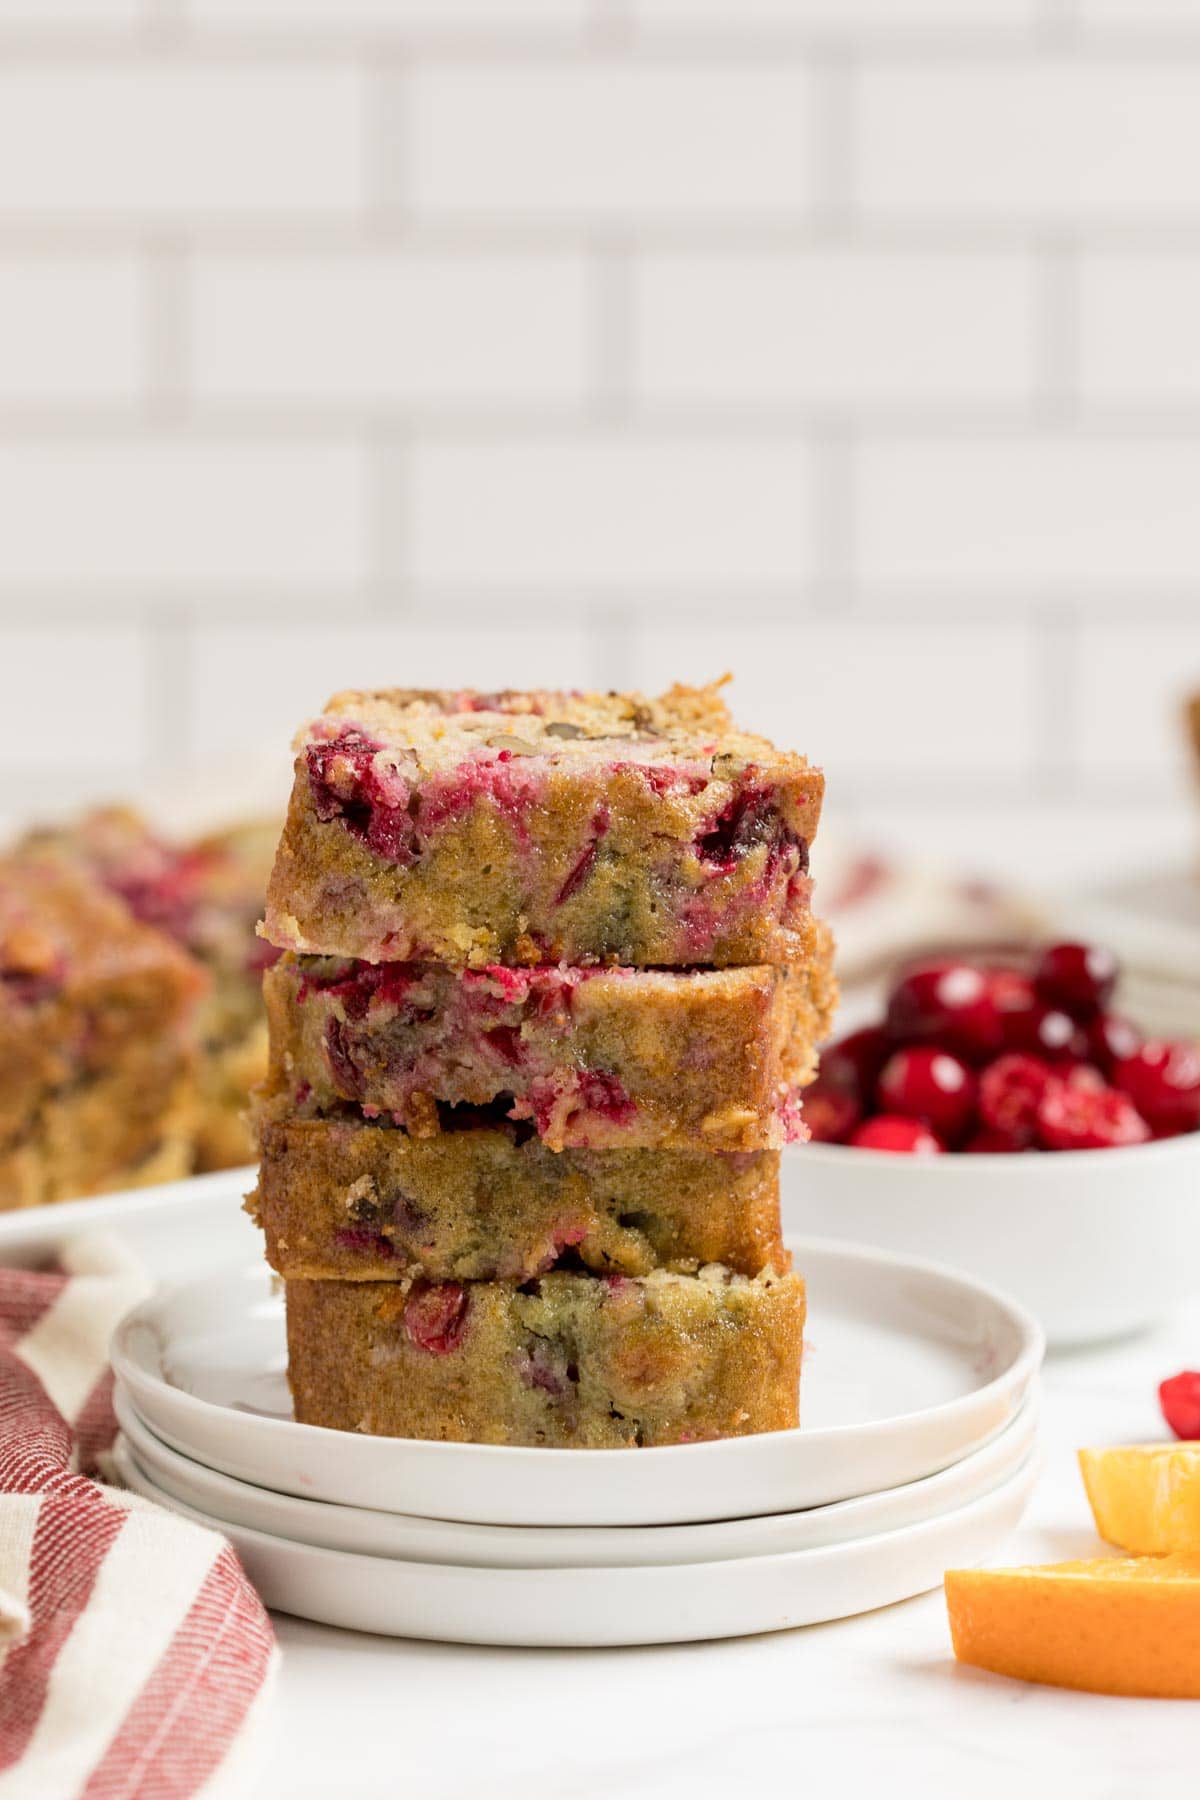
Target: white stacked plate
(916,1454)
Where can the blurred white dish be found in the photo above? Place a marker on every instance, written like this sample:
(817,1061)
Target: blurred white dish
(1096,1243)
(584,1607)
(908,1368)
(399,1535)
(175,1230)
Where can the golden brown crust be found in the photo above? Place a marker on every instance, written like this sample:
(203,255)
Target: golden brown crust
(340,1199)
(565,1360)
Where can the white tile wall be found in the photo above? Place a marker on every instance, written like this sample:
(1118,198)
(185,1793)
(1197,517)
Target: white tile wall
(853,345)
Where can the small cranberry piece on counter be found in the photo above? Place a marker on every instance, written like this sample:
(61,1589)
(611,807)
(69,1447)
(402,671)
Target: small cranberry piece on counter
(1163,1081)
(1079,1118)
(435,1315)
(1111,1038)
(854,1062)
(1010,1091)
(888,1132)
(1078,977)
(830,1110)
(949,1003)
(990,1142)
(1179,1397)
(931,1085)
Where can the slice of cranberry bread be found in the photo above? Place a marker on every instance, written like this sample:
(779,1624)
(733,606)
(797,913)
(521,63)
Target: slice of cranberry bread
(526,828)
(564,1360)
(595,1058)
(340,1199)
(208,896)
(97,1067)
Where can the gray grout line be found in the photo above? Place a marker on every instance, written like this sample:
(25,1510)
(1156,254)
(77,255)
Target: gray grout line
(167,703)
(834,95)
(1054,646)
(611,320)
(165,344)
(833,484)
(1057,327)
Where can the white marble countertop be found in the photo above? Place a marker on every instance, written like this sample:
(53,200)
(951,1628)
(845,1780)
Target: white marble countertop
(874,1703)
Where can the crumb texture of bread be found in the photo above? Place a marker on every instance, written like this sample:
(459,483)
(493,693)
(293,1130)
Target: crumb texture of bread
(345,1200)
(539,828)
(565,1360)
(594,1058)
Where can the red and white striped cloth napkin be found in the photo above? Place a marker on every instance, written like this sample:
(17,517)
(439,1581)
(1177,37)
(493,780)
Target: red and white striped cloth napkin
(134,1654)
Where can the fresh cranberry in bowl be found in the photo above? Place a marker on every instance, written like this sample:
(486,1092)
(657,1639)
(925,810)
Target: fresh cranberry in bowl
(887,1131)
(1111,1038)
(854,1062)
(1162,1079)
(1071,1117)
(1010,1091)
(1079,978)
(989,1142)
(1179,1398)
(1045,1031)
(831,1110)
(929,1085)
(946,1003)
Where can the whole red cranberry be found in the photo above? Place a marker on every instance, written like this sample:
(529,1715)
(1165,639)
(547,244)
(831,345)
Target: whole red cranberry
(1045,1031)
(1179,1397)
(830,1110)
(947,1003)
(1010,1091)
(1162,1079)
(854,1062)
(1079,1118)
(888,1132)
(1111,1038)
(1078,977)
(930,1085)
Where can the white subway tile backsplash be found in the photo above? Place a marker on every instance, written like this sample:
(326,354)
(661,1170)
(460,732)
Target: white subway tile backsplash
(293,17)
(250,688)
(68,13)
(833,327)
(156,514)
(610,513)
(73,697)
(170,142)
(1138,341)
(610,142)
(885,700)
(72,329)
(840,15)
(1134,680)
(1029,513)
(1061,141)
(375,327)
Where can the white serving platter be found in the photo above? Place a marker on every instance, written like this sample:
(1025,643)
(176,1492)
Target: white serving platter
(909,1368)
(398,1535)
(581,1608)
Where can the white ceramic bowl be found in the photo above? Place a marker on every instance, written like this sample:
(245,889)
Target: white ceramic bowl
(1096,1243)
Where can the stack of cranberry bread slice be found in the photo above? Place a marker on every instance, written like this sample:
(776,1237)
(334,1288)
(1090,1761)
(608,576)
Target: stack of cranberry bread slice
(551,990)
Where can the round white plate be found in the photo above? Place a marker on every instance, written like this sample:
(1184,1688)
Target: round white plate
(908,1368)
(581,1608)
(369,1533)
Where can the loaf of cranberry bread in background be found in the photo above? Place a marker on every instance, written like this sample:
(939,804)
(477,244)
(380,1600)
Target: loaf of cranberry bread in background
(526,828)
(341,1199)
(595,1058)
(97,1026)
(563,1360)
(208,896)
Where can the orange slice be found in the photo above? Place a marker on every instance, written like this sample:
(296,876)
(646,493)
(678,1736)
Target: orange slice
(1145,1497)
(1122,1626)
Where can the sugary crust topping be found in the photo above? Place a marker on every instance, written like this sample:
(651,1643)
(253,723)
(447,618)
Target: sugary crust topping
(420,732)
